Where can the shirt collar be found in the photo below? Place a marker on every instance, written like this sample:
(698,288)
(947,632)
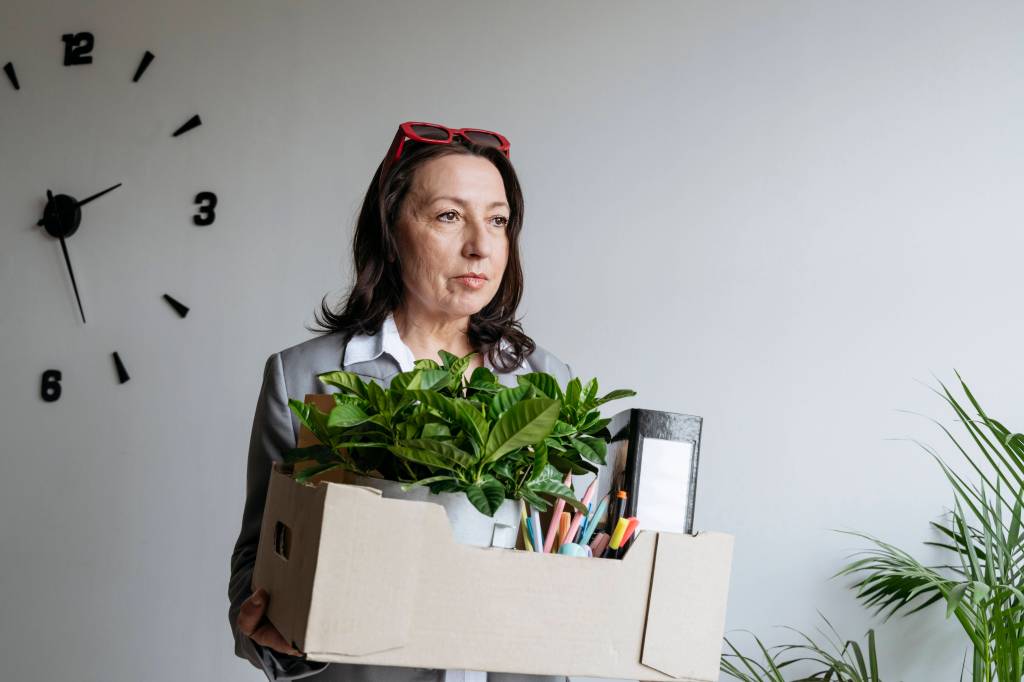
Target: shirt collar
(367,347)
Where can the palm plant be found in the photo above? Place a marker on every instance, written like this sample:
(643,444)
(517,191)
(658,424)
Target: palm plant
(842,661)
(984,588)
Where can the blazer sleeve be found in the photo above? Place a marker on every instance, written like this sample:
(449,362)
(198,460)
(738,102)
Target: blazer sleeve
(272,434)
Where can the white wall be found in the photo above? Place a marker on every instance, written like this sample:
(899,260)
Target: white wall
(780,216)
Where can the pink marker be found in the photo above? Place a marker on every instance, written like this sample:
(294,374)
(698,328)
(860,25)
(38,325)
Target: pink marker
(578,518)
(549,539)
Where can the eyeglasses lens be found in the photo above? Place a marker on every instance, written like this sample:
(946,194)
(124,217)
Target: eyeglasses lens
(485,139)
(430,132)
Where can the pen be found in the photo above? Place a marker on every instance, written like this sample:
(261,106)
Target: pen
(626,537)
(563,529)
(527,543)
(598,544)
(578,538)
(538,536)
(619,510)
(587,496)
(613,544)
(559,506)
(594,520)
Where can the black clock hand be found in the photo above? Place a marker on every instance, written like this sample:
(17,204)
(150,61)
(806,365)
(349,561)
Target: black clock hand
(71,272)
(85,201)
(56,218)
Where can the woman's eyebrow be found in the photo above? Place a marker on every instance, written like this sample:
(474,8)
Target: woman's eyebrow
(457,200)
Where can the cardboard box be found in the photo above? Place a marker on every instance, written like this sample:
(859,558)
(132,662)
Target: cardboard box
(357,578)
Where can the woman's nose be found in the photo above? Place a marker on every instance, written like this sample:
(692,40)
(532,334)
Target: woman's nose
(479,238)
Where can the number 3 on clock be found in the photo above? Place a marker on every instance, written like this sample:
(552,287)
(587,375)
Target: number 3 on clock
(207,201)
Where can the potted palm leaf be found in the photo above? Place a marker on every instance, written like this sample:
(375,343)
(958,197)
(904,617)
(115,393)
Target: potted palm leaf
(983,587)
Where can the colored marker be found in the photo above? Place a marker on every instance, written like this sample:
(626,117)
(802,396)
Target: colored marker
(559,506)
(525,526)
(598,544)
(578,518)
(626,537)
(563,528)
(538,536)
(594,520)
(613,544)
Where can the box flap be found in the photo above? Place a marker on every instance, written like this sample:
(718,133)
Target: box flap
(287,552)
(691,612)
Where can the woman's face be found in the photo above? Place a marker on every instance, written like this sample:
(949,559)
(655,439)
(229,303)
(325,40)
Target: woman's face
(453,221)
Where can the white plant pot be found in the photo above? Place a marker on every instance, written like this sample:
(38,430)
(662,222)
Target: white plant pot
(469,526)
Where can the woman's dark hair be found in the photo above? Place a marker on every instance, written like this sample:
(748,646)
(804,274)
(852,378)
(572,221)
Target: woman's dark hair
(378,288)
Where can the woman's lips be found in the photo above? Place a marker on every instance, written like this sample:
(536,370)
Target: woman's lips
(472,282)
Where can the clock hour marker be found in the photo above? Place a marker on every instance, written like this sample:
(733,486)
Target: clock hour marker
(143,65)
(177,305)
(188,125)
(11,76)
(122,373)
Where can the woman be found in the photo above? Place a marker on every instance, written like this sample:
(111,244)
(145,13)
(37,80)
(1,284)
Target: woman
(437,267)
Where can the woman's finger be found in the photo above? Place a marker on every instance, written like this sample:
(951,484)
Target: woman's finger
(250,613)
(268,635)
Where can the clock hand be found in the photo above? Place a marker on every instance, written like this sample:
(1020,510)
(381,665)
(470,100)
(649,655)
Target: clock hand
(71,272)
(85,201)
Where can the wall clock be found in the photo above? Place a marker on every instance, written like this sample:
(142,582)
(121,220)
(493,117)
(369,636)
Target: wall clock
(62,214)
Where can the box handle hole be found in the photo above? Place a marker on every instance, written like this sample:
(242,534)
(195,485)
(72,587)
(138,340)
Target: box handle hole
(282,540)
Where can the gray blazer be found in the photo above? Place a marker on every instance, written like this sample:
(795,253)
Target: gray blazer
(292,373)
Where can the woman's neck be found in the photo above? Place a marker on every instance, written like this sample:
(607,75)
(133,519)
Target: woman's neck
(426,336)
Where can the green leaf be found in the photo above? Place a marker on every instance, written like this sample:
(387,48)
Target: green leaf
(436,430)
(596,426)
(473,421)
(545,384)
(566,464)
(486,495)
(312,418)
(615,395)
(506,398)
(346,416)
(377,397)
(557,489)
(483,378)
(406,487)
(429,379)
(535,500)
(433,453)
(572,393)
(312,471)
(563,429)
(426,363)
(540,461)
(593,449)
(590,394)
(346,381)
(447,359)
(526,423)
(441,403)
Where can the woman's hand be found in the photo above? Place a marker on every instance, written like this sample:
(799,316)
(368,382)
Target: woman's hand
(260,630)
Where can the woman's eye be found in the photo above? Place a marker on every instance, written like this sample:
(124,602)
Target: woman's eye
(503,221)
(454,213)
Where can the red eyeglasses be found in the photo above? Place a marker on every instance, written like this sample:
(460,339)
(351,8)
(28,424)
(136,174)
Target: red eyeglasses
(435,133)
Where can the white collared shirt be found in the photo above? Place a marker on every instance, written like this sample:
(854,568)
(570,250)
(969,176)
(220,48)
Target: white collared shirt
(365,347)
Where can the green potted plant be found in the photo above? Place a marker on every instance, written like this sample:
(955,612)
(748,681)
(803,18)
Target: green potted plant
(983,588)
(473,445)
